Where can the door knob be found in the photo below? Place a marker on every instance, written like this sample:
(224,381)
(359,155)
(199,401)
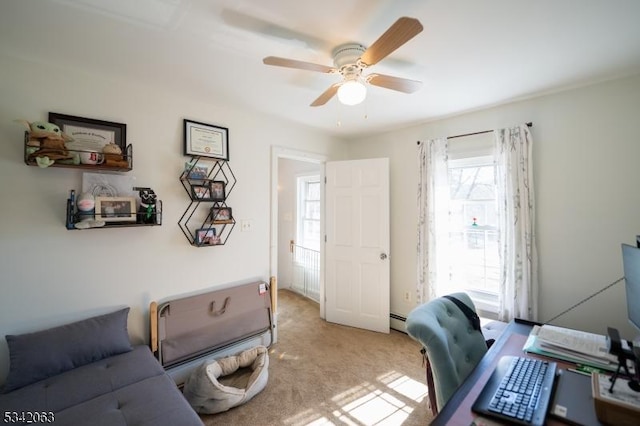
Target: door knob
(383,256)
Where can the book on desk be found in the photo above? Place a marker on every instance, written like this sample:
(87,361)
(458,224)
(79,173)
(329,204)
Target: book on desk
(578,347)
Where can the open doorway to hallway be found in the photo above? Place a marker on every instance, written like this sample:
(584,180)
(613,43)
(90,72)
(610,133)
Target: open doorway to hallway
(299,226)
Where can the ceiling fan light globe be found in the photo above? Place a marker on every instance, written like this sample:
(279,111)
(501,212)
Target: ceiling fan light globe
(352,93)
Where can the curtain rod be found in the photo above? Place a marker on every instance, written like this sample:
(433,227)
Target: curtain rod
(529,124)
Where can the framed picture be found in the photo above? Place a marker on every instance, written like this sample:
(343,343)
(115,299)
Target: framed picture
(218,190)
(201,192)
(207,237)
(221,215)
(195,171)
(116,209)
(89,133)
(206,140)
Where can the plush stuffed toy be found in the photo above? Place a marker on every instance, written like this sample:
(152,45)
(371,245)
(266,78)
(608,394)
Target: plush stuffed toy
(49,141)
(86,211)
(113,156)
(147,212)
(86,206)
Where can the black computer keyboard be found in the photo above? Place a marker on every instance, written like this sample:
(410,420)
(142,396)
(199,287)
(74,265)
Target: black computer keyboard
(519,391)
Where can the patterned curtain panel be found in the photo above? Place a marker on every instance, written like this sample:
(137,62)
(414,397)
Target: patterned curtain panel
(519,278)
(433,211)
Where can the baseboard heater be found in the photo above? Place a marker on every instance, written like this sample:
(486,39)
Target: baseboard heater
(398,318)
(187,331)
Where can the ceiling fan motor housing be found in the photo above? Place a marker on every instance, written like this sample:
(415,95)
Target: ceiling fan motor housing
(347,56)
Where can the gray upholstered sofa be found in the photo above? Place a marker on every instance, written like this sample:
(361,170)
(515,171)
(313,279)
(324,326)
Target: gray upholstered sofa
(87,373)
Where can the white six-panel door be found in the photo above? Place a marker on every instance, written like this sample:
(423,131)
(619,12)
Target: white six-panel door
(357,245)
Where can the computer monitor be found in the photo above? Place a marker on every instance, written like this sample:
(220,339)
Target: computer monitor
(631,264)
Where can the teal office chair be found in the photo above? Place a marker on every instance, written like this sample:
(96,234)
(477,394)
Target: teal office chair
(453,347)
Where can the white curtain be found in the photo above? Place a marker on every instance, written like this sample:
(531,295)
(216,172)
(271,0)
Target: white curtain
(514,179)
(433,210)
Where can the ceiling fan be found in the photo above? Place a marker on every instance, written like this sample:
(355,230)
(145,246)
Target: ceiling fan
(351,59)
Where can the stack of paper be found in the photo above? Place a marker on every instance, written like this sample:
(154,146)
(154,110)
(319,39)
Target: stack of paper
(571,345)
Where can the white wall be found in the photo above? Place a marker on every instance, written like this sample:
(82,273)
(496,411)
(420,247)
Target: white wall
(586,158)
(51,275)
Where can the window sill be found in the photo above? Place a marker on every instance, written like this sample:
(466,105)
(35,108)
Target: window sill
(486,303)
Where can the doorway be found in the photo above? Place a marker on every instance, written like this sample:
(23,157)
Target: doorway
(299,220)
(296,262)
(357,293)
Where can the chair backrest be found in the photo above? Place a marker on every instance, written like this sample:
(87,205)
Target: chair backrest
(453,347)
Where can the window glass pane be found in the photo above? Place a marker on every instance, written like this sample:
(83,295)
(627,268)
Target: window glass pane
(308,224)
(472,183)
(313,190)
(311,237)
(474,233)
(312,210)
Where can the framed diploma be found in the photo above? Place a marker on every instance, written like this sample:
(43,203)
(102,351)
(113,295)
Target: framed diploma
(89,133)
(206,140)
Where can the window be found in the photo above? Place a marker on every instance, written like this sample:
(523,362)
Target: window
(309,212)
(472,194)
(473,231)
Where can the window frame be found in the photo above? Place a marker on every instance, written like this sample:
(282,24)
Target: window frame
(486,302)
(302,183)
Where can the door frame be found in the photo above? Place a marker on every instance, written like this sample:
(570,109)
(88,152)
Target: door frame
(278,152)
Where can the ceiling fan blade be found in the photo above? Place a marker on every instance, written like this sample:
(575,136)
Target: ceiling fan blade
(266,29)
(292,63)
(403,30)
(394,83)
(327,95)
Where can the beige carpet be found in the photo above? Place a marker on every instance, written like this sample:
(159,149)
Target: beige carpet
(326,374)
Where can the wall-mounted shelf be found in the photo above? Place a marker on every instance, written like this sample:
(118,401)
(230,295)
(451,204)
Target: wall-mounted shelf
(75,217)
(207,220)
(115,163)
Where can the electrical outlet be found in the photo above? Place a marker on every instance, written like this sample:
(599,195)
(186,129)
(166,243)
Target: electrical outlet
(246,225)
(407,296)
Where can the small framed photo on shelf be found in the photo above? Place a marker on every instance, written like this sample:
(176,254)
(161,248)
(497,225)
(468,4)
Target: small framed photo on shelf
(201,192)
(116,209)
(195,171)
(206,140)
(218,190)
(207,237)
(221,215)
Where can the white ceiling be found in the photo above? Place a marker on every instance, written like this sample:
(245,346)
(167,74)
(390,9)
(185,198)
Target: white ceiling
(471,54)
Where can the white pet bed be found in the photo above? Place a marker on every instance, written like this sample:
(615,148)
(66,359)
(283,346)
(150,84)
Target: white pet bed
(207,394)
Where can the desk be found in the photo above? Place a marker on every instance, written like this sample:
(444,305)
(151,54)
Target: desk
(457,411)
